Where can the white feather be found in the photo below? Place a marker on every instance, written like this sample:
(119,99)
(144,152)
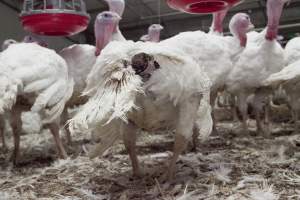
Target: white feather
(259,60)
(290,73)
(204,120)
(292,51)
(80,59)
(213,52)
(178,78)
(31,69)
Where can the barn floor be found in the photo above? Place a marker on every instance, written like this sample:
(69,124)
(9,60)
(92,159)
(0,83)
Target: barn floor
(228,166)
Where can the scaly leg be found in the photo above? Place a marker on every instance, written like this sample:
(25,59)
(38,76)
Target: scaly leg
(129,137)
(179,146)
(234,107)
(184,130)
(2,126)
(295,118)
(267,119)
(54,129)
(243,107)
(195,138)
(16,125)
(213,97)
(65,118)
(258,121)
(261,100)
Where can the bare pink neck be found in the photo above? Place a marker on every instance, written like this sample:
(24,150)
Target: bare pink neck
(154,36)
(218,19)
(272,32)
(217,25)
(274,11)
(243,40)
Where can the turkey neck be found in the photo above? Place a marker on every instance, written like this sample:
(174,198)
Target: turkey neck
(243,39)
(218,18)
(154,36)
(274,11)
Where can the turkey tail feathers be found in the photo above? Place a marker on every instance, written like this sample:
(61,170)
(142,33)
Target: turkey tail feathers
(8,91)
(114,96)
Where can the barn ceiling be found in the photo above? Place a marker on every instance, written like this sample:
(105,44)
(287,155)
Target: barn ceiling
(139,14)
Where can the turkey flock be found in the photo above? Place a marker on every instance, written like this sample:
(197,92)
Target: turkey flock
(120,86)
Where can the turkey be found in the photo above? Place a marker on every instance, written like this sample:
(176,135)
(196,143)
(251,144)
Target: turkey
(26,39)
(35,39)
(292,51)
(153,33)
(142,86)
(115,88)
(213,51)
(5,45)
(8,42)
(30,116)
(105,26)
(80,59)
(33,78)
(118,7)
(262,57)
(217,29)
(288,77)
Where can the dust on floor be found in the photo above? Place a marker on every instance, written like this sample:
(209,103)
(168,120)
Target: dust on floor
(228,166)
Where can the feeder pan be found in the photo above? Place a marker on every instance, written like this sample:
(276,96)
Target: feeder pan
(54,17)
(201,6)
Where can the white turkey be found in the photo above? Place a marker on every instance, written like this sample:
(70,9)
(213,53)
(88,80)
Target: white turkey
(7,42)
(292,51)
(32,119)
(217,54)
(118,7)
(33,78)
(80,59)
(142,85)
(262,57)
(26,39)
(217,29)
(114,93)
(153,33)
(225,49)
(5,45)
(35,39)
(105,27)
(289,77)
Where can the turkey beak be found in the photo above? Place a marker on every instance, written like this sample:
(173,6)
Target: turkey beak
(104,29)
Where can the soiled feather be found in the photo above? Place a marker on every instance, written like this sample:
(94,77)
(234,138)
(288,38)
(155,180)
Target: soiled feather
(113,94)
(114,98)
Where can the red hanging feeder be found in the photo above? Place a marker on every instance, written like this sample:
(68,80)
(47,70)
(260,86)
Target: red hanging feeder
(54,17)
(201,6)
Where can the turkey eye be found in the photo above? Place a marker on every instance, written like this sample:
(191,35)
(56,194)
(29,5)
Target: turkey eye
(106,15)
